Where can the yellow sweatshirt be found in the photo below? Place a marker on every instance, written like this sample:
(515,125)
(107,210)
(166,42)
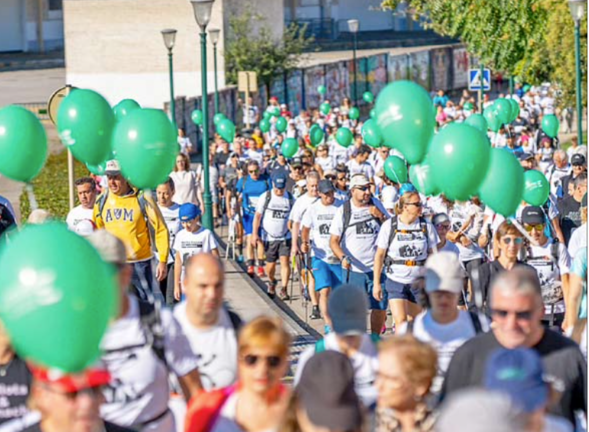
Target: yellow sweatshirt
(122,217)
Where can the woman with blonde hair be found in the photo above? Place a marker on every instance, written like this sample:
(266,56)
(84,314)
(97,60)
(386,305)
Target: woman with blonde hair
(403,245)
(258,401)
(185,181)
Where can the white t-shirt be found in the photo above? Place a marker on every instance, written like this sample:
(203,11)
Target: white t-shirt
(364,168)
(445,338)
(185,144)
(460,215)
(188,244)
(450,247)
(139,389)
(301,205)
(319,218)
(340,154)
(410,244)
(215,348)
(389,197)
(578,240)
(185,187)
(76,215)
(326,163)
(364,361)
(172,217)
(555,176)
(540,257)
(213,178)
(359,240)
(275,217)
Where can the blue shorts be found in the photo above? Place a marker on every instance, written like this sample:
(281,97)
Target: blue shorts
(326,275)
(248,224)
(366,281)
(400,291)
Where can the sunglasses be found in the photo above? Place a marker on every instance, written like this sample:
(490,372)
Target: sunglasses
(516,240)
(363,188)
(537,227)
(271,361)
(520,316)
(416,204)
(443,225)
(254,171)
(330,178)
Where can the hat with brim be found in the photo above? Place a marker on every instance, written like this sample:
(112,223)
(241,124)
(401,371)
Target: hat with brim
(112,168)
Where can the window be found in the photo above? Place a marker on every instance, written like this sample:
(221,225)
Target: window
(55,5)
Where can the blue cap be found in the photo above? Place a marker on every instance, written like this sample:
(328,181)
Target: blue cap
(279,180)
(406,187)
(518,373)
(188,212)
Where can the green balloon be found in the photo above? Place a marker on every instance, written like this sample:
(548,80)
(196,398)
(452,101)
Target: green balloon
(493,121)
(124,107)
(395,169)
(405,118)
(461,155)
(264,125)
(197,117)
(275,111)
(290,147)
(371,134)
(57,296)
(354,113)
(146,147)
(527,88)
(23,144)
(372,113)
(478,121)
(368,97)
(536,188)
(468,106)
(501,188)
(550,125)
(502,108)
(226,129)
(97,169)
(218,118)
(316,135)
(344,137)
(321,90)
(514,108)
(325,108)
(85,123)
(281,124)
(420,175)
(267,115)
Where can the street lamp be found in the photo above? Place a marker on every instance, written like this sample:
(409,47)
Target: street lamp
(202,14)
(353,26)
(578,11)
(169,36)
(214,34)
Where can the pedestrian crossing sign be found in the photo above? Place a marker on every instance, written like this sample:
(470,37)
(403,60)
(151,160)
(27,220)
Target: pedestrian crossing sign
(474,79)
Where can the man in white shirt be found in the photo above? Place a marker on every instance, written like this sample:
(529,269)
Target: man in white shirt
(359,164)
(87,192)
(558,170)
(210,328)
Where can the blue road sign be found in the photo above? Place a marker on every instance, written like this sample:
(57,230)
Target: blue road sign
(474,79)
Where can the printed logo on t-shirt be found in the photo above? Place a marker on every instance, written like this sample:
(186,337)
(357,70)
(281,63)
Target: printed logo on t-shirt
(324,229)
(366,228)
(280,214)
(117,214)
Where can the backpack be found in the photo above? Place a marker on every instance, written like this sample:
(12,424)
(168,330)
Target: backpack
(320,344)
(269,197)
(348,216)
(476,323)
(393,234)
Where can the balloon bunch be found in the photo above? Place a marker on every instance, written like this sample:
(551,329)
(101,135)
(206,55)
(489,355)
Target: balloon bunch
(502,112)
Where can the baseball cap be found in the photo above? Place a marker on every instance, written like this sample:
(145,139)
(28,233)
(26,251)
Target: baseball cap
(189,211)
(279,180)
(296,161)
(359,180)
(326,392)
(578,159)
(525,156)
(518,373)
(440,218)
(532,215)
(232,155)
(111,248)
(406,187)
(347,308)
(325,186)
(443,272)
(89,378)
(112,167)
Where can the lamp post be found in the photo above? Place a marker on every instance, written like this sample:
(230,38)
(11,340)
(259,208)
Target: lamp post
(202,14)
(214,34)
(353,26)
(577,8)
(169,36)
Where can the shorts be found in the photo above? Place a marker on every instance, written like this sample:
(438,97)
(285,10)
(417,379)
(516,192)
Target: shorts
(326,275)
(401,291)
(366,281)
(277,248)
(248,224)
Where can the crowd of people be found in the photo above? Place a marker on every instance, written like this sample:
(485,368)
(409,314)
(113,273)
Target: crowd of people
(487,326)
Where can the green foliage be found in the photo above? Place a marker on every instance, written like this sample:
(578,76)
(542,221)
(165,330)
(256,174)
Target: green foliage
(51,187)
(261,53)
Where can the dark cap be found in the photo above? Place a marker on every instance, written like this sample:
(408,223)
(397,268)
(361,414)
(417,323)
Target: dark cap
(325,186)
(279,180)
(326,392)
(532,215)
(578,159)
(296,161)
(525,156)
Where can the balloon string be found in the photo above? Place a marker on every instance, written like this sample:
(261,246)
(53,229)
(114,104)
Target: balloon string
(524,232)
(31,196)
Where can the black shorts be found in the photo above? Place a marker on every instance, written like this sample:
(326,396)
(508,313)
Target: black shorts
(276,249)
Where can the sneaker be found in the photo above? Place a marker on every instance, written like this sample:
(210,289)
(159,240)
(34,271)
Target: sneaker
(239,259)
(261,272)
(326,329)
(272,288)
(250,270)
(283,295)
(315,314)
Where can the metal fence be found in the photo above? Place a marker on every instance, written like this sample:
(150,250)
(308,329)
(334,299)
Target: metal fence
(37,108)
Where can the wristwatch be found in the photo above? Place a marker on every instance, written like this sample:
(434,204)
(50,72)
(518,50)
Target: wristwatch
(346,258)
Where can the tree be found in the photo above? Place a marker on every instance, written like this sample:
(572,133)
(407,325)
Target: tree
(261,53)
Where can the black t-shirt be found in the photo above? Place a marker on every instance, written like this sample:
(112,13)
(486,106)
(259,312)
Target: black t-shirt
(570,217)
(108,427)
(489,271)
(15,383)
(561,357)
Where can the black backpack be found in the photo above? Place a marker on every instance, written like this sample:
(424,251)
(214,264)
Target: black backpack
(348,216)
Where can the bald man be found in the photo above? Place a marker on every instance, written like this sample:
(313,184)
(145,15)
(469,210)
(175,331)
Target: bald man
(210,328)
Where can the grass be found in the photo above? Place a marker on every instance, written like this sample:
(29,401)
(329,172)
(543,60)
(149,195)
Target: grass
(51,187)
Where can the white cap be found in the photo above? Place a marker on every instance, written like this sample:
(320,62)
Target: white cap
(112,167)
(85,227)
(359,180)
(443,272)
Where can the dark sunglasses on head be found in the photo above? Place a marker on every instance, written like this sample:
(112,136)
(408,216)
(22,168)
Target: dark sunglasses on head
(522,315)
(271,361)
(416,204)
(516,240)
